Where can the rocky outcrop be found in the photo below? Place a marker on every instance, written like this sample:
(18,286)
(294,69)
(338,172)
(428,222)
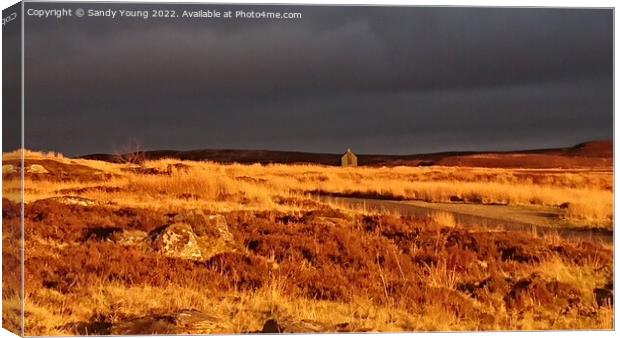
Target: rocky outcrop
(198,322)
(212,232)
(217,224)
(73,200)
(604,296)
(193,235)
(272,326)
(37,169)
(289,325)
(9,169)
(129,237)
(31,169)
(116,235)
(204,225)
(177,240)
(182,322)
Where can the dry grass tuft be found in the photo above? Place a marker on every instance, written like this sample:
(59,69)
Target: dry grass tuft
(443,219)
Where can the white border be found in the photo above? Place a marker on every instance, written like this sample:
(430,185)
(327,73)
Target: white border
(476,3)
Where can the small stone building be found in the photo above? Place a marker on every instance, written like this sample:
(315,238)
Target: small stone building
(349,159)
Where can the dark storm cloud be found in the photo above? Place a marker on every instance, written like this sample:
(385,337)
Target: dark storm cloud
(383,80)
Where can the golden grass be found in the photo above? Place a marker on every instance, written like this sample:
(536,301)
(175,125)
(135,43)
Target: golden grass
(586,277)
(242,311)
(11,311)
(589,194)
(442,218)
(232,312)
(594,211)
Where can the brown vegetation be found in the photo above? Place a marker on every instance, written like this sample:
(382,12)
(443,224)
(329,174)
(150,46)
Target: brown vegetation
(284,261)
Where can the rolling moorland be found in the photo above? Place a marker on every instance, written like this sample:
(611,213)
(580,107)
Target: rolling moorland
(177,244)
(583,155)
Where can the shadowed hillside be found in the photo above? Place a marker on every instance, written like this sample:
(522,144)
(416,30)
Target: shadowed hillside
(588,154)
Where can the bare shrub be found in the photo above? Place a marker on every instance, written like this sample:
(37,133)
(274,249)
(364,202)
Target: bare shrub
(131,153)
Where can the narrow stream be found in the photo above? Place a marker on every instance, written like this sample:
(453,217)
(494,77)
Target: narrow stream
(465,219)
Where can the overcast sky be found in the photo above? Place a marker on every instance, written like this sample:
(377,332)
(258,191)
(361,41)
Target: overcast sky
(386,80)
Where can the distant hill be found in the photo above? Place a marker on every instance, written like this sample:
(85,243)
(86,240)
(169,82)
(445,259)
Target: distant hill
(594,149)
(588,154)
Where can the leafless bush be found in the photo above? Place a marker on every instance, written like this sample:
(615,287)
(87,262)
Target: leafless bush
(131,153)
